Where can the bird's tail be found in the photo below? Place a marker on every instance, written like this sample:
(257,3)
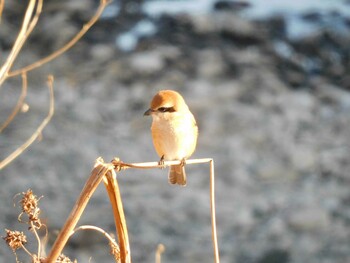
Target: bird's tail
(177,175)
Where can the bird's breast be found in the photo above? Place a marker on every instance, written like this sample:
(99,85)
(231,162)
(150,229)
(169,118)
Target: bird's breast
(175,138)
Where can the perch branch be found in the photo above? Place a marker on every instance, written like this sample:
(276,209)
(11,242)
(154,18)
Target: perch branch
(106,172)
(38,131)
(119,165)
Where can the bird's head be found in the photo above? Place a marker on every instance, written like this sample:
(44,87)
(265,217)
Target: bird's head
(166,101)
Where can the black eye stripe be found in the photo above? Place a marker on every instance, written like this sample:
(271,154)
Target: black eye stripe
(166,109)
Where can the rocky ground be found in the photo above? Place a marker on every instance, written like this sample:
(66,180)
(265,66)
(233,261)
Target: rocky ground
(273,112)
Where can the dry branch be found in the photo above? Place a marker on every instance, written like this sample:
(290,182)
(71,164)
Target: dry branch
(18,104)
(111,184)
(115,251)
(2,3)
(38,131)
(30,19)
(106,172)
(119,165)
(159,251)
(72,42)
(94,180)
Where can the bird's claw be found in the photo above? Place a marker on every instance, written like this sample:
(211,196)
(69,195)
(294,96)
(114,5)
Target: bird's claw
(183,162)
(161,162)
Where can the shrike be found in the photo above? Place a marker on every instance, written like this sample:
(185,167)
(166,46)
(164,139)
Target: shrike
(174,131)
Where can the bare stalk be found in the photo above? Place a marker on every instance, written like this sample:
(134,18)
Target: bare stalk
(106,172)
(35,18)
(119,165)
(95,228)
(38,131)
(159,251)
(213,213)
(150,165)
(91,184)
(72,42)
(115,251)
(2,3)
(111,184)
(28,24)
(37,238)
(18,104)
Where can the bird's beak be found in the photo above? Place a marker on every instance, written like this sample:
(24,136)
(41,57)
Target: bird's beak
(148,112)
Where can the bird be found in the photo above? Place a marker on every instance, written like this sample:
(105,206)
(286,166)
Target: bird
(174,132)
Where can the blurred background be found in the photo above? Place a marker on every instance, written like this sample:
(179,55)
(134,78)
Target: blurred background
(268,84)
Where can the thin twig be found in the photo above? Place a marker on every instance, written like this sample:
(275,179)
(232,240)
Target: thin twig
(43,243)
(213,213)
(2,4)
(72,42)
(150,165)
(159,251)
(18,104)
(20,40)
(98,229)
(37,237)
(35,18)
(27,251)
(38,131)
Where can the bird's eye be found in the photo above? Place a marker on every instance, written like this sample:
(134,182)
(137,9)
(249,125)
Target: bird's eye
(163,109)
(166,109)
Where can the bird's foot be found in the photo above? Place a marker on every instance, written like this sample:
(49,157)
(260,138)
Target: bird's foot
(183,162)
(161,162)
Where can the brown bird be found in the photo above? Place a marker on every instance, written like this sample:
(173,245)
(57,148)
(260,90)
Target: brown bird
(174,131)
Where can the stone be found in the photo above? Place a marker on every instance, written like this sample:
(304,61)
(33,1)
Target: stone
(147,62)
(308,219)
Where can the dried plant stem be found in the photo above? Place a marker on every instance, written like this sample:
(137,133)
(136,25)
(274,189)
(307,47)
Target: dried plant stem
(27,251)
(98,229)
(213,212)
(2,3)
(94,180)
(106,172)
(159,251)
(34,19)
(37,238)
(72,42)
(150,165)
(16,257)
(111,184)
(38,131)
(95,228)
(18,104)
(119,165)
(30,19)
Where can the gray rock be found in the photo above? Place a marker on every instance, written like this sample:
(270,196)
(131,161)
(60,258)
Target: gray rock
(309,219)
(148,62)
